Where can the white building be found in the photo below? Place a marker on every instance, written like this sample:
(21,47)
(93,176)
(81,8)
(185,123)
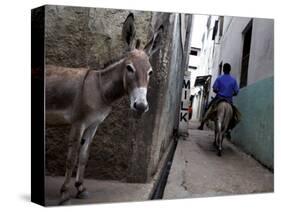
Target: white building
(200,79)
(247,44)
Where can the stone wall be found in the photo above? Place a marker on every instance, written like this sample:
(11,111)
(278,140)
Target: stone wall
(125,145)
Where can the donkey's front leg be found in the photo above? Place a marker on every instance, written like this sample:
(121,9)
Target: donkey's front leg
(73,146)
(83,159)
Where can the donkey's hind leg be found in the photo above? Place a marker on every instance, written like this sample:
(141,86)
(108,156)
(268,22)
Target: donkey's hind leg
(219,138)
(82,193)
(74,138)
(216,134)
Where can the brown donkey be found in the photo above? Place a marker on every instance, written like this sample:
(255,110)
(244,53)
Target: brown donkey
(83,98)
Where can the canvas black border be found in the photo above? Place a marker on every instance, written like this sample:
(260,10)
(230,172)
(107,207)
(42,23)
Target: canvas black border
(37,105)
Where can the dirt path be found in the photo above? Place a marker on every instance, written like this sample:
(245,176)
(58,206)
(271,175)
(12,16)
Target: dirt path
(198,172)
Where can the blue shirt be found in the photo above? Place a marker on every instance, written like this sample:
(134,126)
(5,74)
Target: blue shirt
(225,87)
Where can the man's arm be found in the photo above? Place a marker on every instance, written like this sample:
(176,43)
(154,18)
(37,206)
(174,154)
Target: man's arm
(216,86)
(235,89)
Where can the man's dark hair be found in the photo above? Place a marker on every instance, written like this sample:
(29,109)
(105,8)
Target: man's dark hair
(226,68)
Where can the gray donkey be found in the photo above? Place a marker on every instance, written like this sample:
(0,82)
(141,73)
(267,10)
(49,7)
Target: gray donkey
(224,113)
(83,98)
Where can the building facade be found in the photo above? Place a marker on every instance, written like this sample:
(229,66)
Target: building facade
(202,76)
(247,44)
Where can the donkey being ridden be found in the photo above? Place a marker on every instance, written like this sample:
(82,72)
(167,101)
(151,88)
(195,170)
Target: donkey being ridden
(224,114)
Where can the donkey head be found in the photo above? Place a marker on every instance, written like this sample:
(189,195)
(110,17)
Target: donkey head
(138,69)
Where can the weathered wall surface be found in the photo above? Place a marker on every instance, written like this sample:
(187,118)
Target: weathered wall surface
(124,145)
(168,106)
(255,133)
(89,37)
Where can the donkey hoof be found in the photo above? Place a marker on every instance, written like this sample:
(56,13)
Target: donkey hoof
(65,202)
(219,153)
(83,195)
(200,128)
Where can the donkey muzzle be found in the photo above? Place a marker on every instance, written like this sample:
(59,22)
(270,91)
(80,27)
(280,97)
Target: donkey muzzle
(141,107)
(138,100)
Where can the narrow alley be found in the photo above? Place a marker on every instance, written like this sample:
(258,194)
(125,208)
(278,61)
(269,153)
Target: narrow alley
(139,140)
(197,171)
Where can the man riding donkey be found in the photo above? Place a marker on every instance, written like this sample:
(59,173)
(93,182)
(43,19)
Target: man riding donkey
(225,88)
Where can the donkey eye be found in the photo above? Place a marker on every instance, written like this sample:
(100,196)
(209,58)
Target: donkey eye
(150,73)
(130,68)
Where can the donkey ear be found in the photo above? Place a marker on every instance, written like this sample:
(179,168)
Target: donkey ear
(155,43)
(128,31)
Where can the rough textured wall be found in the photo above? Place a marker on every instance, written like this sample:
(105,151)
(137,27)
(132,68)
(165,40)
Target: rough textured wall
(66,36)
(143,141)
(168,119)
(164,98)
(89,37)
(255,133)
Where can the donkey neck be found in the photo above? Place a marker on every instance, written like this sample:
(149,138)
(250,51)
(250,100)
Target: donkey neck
(111,81)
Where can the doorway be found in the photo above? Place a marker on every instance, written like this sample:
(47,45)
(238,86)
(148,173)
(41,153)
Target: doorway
(247,34)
